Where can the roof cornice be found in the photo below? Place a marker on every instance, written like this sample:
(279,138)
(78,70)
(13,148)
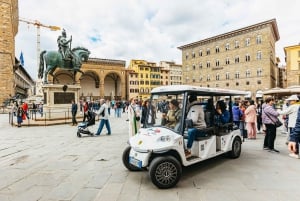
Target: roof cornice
(236,32)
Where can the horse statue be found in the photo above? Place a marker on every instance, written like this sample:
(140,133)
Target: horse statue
(53,59)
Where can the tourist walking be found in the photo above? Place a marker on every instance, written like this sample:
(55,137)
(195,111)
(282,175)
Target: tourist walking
(85,109)
(20,114)
(269,117)
(134,113)
(291,111)
(103,112)
(293,144)
(250,119)
(259,124)
(74,112)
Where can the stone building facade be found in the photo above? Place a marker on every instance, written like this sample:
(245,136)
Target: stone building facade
(292,55)
(8,29)
(242,59)
(102,78)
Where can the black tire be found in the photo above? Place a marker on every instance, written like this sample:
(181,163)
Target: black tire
(78,134)
(236,148)
(125,159)
(165,171)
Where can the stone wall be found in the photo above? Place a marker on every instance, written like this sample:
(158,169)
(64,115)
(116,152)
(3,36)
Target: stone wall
(8,30)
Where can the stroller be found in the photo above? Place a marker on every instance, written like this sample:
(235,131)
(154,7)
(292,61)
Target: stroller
(83,126)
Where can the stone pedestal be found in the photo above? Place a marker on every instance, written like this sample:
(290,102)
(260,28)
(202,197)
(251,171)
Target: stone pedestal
(58,99)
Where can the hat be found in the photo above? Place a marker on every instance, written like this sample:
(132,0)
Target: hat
(293,97)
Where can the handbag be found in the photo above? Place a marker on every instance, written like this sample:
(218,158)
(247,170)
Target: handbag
(277,123)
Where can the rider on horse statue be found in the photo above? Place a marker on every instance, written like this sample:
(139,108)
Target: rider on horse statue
(63,46)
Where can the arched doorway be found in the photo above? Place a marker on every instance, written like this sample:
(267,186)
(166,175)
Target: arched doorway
(89,83)
(112,86)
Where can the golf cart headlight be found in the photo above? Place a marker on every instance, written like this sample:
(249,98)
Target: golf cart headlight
(166,138)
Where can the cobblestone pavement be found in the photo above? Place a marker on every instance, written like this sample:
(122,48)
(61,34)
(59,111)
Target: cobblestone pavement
(51,163)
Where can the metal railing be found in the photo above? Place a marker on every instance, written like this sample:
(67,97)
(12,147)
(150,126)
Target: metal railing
(38,118)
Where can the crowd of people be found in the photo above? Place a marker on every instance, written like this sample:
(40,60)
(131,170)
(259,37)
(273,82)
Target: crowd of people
(249,116)
(262,117)
(22,111)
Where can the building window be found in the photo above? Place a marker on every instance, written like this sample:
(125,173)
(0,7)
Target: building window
(248,73)
(217,49)
(258,81)
(258,55)
(187,68)
(237,59)
(187,56)
(227,84)
(217,62)
(142,76)
(258,39)
(218,76)
(227,46)
(208,64)
(200,53)
(227,61)
(298,65)
(217,85)
(236,44)
(200,78)
(207,51)
(247,42)
(208,78)
(259,72)
(247,83)
(200,66)
(237,75)
(227,76)
(193,55)
(236,84)
(247,57)
(194,67)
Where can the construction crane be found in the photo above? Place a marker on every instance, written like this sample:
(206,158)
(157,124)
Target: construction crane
(38,26)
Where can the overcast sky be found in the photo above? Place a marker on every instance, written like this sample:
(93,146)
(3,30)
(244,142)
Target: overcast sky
(147,29)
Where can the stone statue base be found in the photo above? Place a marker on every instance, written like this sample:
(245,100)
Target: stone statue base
(58,99)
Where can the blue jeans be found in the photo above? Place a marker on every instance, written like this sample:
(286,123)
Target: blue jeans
(192,134)
(101,125)
(119,111)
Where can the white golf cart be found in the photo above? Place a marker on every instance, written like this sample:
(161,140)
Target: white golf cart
(161,149)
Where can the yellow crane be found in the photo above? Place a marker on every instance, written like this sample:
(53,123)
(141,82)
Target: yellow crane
(38,26)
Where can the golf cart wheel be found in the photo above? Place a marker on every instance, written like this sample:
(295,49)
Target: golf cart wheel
(125,159)
(236,148)
(78,134)
(165,172)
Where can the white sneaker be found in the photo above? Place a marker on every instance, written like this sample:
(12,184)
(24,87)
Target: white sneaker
(293,155)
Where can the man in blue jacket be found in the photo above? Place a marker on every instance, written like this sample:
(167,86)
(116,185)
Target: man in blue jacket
(295,138)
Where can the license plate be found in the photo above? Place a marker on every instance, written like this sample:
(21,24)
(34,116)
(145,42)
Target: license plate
(135,162)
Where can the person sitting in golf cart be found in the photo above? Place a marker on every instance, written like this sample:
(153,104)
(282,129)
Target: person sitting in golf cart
(172,118)
(222,115)
(195,123)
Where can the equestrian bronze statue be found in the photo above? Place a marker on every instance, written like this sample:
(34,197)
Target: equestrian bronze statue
(65,58)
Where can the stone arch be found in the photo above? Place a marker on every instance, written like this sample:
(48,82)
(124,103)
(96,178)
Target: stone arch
(90,84)
(112,83)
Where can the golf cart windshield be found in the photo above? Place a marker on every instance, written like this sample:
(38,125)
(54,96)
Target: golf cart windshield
(168,105)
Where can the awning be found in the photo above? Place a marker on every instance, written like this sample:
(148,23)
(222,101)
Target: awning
(283,92)
(248,94)
(259,94)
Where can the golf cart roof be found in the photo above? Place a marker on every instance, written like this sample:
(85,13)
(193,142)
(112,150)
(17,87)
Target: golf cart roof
(204,91)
